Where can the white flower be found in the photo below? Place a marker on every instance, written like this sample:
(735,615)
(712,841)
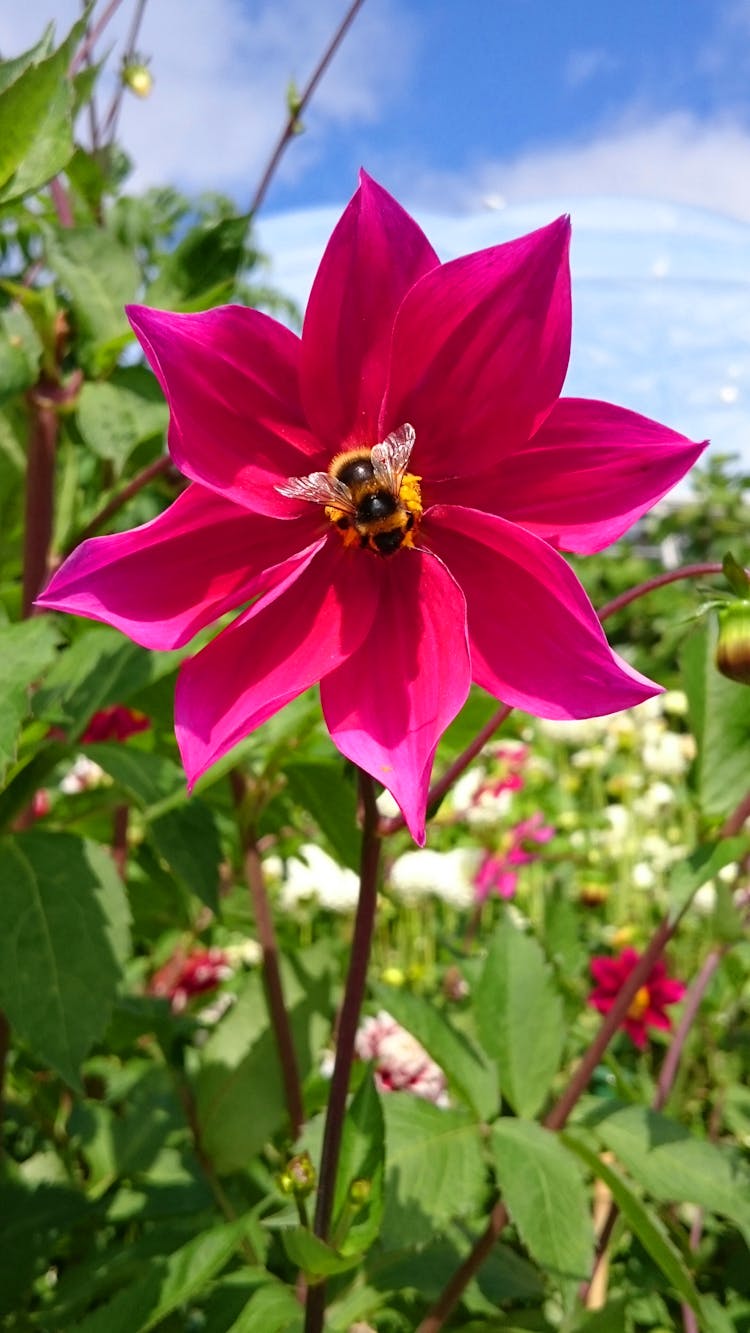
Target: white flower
(401,1063)
(704,901)
(465,789)
(248,953)
(591,756)
(84,775)
(447,875)
(642,876)
(668,753)
(675,702)
(315,876)
(656,797)
(387,808)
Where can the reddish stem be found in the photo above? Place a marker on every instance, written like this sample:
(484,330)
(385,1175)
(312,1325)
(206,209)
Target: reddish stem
(91,37)
(658,581)
(347,1030)
(156,469)
(292,123)
(39,504)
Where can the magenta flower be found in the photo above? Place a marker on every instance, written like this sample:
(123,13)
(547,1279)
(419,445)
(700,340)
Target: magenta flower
(433,561)
(498,871)
(648,1008)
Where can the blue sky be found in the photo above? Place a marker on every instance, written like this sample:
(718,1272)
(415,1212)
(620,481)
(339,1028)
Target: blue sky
(487,118)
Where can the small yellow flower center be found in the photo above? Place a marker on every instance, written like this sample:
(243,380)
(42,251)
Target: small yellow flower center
(641,1001)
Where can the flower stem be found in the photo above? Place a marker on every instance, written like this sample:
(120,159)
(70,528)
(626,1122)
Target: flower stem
(40,482)
(291,126)
(347,1031)
(274,990)
(110,120)
(155,469)
(658,581)
(91,38)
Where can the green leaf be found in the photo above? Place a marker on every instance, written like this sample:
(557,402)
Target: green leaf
(99,669)
(35,126)
(10,70)
(26,649)
(706,861)
(63,940)
(315,1258)
(434,1169)
(240,1068)
(274,1308)
(547,1200)
(201,270)
(323,790)
(467,1069)
(118,414)
(356,1222)
(672,1164)
(520,1017)
(20,353)
(720,719)
(168,1283)
(31,1221)
(101,277)
(645,1224)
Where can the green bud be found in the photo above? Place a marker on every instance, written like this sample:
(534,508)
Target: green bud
(138,78)
(298,1177)
(733,646)
(359,1192)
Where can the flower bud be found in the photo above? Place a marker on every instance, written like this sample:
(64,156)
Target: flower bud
(298,1177)
(138,78)
(733,646)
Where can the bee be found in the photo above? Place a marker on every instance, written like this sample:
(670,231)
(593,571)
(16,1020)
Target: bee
(362,492)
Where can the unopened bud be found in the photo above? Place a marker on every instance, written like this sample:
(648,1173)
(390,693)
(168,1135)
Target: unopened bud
(298,1177)
(359,1192)
(733,646)
(138,78)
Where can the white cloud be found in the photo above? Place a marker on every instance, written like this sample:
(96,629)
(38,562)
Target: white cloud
(674,157)
(584,65)
(221,69)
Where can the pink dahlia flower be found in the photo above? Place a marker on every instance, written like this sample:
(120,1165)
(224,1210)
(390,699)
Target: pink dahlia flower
(397,578)
(115,724)
(650,1000)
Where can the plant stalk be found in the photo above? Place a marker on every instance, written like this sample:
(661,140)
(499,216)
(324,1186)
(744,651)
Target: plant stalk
(347,1030)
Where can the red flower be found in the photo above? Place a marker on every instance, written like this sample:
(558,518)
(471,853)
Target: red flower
(115,724)
(185,975)
(649,1001)
(431,559)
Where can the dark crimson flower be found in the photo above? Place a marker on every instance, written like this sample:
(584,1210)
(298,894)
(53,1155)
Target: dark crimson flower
(394,487)
(649,1001)
(186,975)
(115,724)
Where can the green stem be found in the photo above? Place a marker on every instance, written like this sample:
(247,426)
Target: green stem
(347,1031)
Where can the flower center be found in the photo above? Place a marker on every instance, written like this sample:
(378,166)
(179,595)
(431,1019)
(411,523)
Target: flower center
(639,1004)
(368,494)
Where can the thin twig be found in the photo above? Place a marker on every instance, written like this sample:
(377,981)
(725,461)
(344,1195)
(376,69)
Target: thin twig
(658,581)
(300,103)
(156,469)
(347,1030)
(91,37)
(110,120)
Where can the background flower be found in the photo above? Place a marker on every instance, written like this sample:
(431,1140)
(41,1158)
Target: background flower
(650,1000)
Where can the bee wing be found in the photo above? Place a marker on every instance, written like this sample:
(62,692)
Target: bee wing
(391,458)
(319,488)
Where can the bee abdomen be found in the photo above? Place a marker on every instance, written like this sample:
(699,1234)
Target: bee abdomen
(381,504)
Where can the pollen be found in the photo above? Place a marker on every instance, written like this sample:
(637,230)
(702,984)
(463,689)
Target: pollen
(641,1001)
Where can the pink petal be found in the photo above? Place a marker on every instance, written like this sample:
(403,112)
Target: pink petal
(388,704)
(162,582)
(590,472)
(654,1018)
(374,256)
(312,620)
(535,640)
(636,1030)
(230,377)
(480,351)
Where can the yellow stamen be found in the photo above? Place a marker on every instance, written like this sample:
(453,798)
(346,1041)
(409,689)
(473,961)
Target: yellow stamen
(641,1001)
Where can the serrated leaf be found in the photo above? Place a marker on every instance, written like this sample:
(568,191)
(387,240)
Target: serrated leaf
(63,940)
(26,650)
(720,719)
(467,1069)
(672,1164)
(101,277)
(202,269)
(10,70)
(520,1017)
(649,1228)
(118,414)
(323,790)
(35,126)
(434,1169)
(542,1185)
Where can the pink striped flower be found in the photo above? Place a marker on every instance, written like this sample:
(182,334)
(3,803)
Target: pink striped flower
(483,475)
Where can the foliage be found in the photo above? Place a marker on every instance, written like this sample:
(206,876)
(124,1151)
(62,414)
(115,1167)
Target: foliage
(150,1173)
